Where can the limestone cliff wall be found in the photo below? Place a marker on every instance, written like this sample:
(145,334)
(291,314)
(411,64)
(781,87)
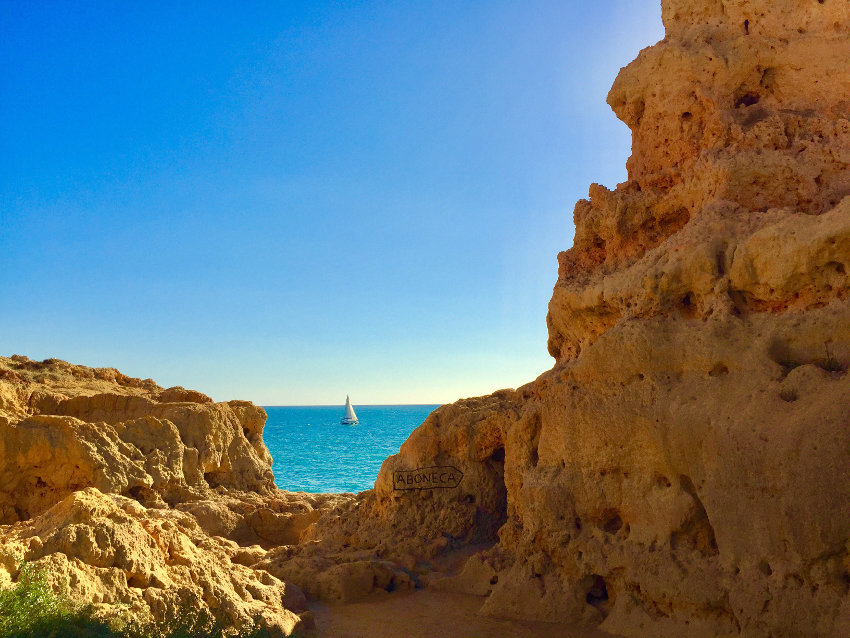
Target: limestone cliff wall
(684,469)
(739,121)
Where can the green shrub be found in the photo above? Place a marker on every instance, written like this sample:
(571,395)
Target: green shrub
(30,610)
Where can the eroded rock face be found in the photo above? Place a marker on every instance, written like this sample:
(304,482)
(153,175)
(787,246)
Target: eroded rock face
(69,427)
(149,498)
(741,122)
(109,550)
(683,470)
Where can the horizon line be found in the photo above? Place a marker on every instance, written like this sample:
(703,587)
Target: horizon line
(337,405)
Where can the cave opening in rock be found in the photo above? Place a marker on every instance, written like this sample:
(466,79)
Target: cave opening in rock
(138,493)
(490,516)
(498,456)
(597,592)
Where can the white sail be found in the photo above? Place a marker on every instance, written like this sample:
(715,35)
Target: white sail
(350,416)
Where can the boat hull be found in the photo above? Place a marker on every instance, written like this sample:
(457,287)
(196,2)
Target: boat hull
(347,421)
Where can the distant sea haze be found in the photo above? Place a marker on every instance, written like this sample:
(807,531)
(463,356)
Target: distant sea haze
(313,452)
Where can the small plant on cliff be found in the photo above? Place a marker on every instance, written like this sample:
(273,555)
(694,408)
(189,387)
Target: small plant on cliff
(830,363)
(31,609)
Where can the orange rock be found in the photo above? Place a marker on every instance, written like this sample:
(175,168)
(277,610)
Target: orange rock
(91,462)
(682,470)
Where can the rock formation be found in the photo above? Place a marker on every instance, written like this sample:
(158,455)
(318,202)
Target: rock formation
(128,493)
(683,470)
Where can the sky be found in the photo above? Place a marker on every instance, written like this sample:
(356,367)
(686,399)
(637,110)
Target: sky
(288,202)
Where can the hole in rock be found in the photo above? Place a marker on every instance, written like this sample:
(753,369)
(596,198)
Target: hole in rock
(687,115)
(246,432)
(739,302)
(747,99)
(612,522)
(492,511)
(597,592)
(136,581)
(837,267)
(688,304)
(720,259)
(534,457)
(494,580)
(764,568)
(469,498)
(747,27)
(638,108)
(138,493)
(577,523)
(718,370)
(788,394)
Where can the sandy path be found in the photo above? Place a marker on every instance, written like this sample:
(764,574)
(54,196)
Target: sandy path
(428,614)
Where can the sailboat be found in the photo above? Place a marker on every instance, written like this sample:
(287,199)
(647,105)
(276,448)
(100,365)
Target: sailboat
(350,418)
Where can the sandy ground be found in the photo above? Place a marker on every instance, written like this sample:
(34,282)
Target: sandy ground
(428,614)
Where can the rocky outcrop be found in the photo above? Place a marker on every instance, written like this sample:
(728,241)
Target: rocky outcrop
(740,125)
(109,550)
(149,498)
(683,469)
(123,436)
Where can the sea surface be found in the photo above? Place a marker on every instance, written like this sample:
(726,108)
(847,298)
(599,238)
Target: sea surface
(313,452)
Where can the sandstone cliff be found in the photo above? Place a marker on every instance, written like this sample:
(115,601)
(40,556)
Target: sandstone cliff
(151,498)
(683,470)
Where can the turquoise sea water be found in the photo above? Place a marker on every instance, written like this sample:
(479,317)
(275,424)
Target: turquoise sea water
(313,453)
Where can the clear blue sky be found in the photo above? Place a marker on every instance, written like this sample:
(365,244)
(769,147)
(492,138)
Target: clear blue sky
(290,201)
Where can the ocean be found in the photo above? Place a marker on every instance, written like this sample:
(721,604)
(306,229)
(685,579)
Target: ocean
(313,452)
